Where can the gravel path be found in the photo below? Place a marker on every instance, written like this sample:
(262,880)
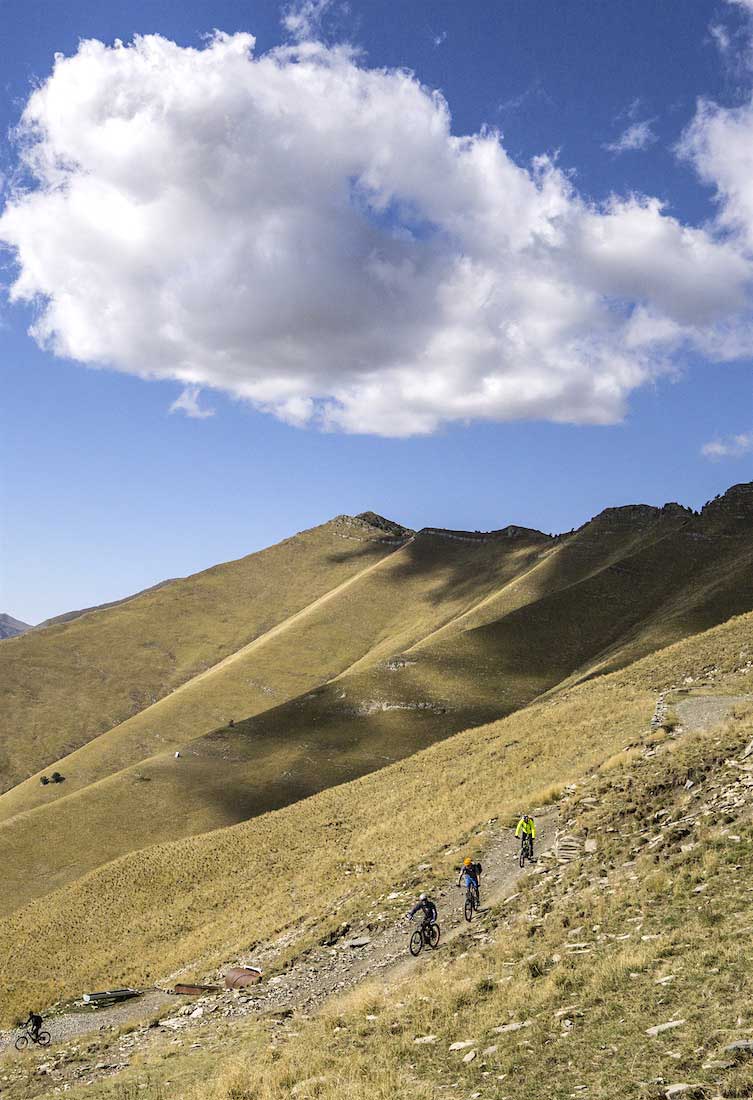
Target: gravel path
(71,1025)
(702,712)
(331,971)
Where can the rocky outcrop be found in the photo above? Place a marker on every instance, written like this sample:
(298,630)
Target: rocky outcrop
(734,506)
(369,527)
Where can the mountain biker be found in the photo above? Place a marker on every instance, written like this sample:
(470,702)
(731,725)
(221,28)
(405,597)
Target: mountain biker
(526,827)
(470,874)
(427,907)
(34,1024)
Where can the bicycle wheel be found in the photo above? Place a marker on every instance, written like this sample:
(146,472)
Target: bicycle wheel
(468,907)
(416,943)
(433,936)
(522,854)
(22,1042)
(44,1038)
(476,898)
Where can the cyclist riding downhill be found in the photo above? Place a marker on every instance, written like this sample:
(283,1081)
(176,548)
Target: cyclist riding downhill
(526,831)
(32,1032)
(428,933)
(427,907)
(34,1024)
(470,874)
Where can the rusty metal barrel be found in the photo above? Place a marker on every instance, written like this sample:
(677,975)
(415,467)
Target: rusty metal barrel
(237,977)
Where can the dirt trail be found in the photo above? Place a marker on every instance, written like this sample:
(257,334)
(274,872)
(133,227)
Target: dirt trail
(325,972)
(71,1025)
(701,712)
(331,971)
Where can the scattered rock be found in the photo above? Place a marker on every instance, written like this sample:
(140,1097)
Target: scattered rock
(470,1056)
(657,1029)
(741,1044)
(505,1028)
(359,941)
(425,1040)
(173,1022)
(463,1044)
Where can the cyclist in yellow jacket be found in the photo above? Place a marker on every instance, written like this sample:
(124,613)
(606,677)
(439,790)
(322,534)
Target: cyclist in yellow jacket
(526,827)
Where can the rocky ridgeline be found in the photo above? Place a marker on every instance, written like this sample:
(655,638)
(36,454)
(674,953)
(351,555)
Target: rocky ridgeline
(512,531)
(730,508)
(735,506)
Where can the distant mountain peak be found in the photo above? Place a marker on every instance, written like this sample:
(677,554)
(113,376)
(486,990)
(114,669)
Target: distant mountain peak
(11,628)
(381,523)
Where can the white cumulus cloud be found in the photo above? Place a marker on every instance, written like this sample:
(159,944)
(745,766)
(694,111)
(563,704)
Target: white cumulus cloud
(307,234)
(734,447)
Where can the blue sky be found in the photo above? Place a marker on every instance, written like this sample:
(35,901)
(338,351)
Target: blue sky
(105,491)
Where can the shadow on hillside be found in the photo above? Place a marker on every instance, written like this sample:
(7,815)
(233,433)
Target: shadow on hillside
(369,550)
(310,744)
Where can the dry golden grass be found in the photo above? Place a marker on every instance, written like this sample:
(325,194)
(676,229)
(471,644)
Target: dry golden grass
(202,901)
(66,684)
(363,1046)
(488,625)
(586,1014)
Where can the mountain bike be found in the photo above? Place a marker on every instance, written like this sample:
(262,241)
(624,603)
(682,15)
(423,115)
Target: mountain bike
(472,900)
(526,849)
(26,1037)
(427,935)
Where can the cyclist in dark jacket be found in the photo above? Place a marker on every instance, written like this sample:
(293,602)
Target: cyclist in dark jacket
(427,907)
(34,1024)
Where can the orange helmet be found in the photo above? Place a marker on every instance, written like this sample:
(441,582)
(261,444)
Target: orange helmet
(467,861)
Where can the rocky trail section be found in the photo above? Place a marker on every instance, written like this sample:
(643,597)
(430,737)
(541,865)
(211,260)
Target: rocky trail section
(377,949)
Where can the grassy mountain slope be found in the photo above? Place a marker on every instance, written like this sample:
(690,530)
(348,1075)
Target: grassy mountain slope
(480,629)
(222,778)
(390,603)
(557,993)
(69,616)
(66,684)
(201,901)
